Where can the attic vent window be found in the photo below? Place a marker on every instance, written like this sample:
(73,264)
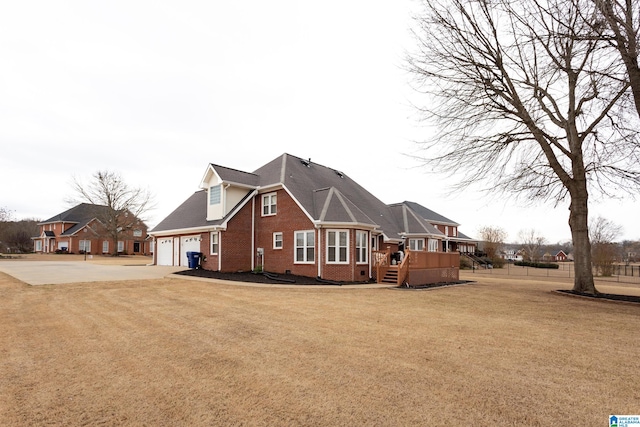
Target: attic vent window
(305,162)
(340,174)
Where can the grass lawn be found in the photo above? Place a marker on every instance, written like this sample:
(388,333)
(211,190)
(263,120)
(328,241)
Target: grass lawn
(176,352)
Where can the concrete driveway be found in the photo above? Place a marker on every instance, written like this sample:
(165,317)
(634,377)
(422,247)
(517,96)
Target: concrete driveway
(58,272)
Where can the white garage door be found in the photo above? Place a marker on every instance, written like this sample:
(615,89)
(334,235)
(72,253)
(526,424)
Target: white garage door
(188,244)
(164,248)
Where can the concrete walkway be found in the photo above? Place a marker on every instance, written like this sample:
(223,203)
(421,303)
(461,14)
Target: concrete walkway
(59,272)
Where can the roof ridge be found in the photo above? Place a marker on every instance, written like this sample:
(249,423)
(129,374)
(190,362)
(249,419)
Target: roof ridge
(232,169)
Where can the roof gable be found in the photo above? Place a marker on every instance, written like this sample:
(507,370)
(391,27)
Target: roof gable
(412,223)
(428,214)
(333,206)
(230,176)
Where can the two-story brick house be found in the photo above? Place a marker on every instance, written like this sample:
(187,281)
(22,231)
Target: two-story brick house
(290,216)
(79,230)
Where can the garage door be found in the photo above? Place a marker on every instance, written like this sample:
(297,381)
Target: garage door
(164,248)
(188,244)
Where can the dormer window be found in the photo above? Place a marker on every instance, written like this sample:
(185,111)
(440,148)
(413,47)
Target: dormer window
(269,204)
(214,195)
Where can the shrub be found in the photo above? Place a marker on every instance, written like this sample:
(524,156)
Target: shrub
(537,264)
(465,264)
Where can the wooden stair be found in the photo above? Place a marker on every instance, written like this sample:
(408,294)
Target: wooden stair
(391,276)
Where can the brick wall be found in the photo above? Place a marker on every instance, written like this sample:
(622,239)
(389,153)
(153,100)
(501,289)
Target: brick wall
(235,242)
(288,219)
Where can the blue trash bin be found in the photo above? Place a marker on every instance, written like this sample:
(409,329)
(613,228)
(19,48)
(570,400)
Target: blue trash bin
(191,259)
(196,259)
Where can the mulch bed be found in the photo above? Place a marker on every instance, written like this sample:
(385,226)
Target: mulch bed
(248,276)
(435,285)
(601,296)
(272,278)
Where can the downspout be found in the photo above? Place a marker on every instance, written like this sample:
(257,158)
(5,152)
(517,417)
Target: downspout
(253,234)
(370,250)
(224,200)
(219,250)
(319,228)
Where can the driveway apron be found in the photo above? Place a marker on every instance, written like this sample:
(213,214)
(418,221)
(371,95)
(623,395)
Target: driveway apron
(53,272)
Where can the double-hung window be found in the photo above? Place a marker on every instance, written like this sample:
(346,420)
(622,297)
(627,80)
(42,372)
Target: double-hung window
(214,243)
(305,247)
(416,244)
(269,204)
(433,245)
(105,246)
(361,247)
(120,246)
(338,246)
(84,246)
(277,240)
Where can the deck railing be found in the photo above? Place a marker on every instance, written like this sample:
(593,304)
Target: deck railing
(445,262)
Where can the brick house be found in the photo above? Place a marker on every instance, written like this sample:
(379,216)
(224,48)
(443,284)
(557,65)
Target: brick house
(79,230)
(294,216)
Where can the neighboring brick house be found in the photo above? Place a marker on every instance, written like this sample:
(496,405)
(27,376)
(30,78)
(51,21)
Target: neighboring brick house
(79,230)
(291,216)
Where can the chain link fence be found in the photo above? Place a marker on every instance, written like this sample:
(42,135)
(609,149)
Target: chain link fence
(622,273)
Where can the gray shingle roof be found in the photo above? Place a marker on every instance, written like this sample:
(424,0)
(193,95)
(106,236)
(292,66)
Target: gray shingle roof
(428,214)
(411,222)
(192,213)
(81,214)
(307,182)
(327,195)
(236,176)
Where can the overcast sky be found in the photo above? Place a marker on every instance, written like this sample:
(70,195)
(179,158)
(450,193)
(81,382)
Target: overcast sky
(156,90)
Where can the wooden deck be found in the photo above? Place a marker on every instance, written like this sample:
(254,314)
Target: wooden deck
(416,267)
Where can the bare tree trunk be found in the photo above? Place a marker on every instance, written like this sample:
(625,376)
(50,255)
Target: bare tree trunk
(578,222)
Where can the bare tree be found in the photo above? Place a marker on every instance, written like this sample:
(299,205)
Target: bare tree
(603,234)
(619,25)
(526,99)
(532,241)
(5,218)
(5,214)
(125,205)
(493,238)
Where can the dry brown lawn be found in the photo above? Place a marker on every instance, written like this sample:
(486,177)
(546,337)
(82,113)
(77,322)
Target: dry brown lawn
(176,352)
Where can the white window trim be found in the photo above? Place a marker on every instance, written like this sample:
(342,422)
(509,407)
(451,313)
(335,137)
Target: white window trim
(120,246)
(214,236)
(305,247)
(413,247)
(432,245)
(337,246)
(276,234)
(359,249)
(273,207)
(82,245)
(105,246)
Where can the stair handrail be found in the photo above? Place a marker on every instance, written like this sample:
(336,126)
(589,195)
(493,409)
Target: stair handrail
(381,259)
(403,268)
